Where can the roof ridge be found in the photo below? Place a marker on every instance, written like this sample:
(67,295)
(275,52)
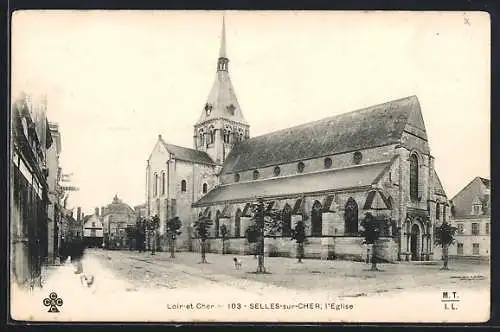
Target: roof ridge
(335,116)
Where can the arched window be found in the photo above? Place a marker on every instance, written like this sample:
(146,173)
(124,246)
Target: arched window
(240,135)
(211,135)
(205,188)
(163,183)
(328,163)
(255,174)
(236,177)
(357,157)
(316,219)
(183,185)
(277,171)
(237,223)
(414,177)
(287,220)
(201,137)
(227,135)
(351,216)
(216,224)
(155,184)
(438,211)
(300,167)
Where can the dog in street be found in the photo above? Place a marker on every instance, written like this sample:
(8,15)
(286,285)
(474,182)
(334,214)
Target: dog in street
(237,263)
(87,280)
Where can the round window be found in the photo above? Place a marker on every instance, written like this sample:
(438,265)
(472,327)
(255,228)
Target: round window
(357,157)
(328,162)
(300,167)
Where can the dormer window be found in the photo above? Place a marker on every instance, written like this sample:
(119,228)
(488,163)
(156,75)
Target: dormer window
(208,109)
(230,108)
(236,177)
(255,174)
(476,209)
(277,171)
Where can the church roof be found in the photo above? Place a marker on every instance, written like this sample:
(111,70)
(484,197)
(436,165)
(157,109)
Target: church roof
(369,127)
(187,154)
(295,186)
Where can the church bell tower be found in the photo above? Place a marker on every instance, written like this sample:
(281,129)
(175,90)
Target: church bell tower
(221,124)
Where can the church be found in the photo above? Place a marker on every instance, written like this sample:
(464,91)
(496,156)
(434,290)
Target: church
(329,173)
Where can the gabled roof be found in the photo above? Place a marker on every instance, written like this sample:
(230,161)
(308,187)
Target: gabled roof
(295,186)
(438,187)
(187,154)
(369,127)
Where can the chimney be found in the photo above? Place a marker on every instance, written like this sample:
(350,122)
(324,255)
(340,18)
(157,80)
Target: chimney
(83,215)
(78,213)
(97,211)
(102,211)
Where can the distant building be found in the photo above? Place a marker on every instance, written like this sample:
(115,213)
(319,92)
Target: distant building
(55,194)
(116,217)
(93,235)
(471,213)
(141,210)
(71,228)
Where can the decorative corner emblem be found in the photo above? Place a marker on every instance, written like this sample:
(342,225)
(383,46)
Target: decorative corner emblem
(53,301)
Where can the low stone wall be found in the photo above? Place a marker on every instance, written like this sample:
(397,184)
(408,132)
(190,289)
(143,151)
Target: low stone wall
(328,248)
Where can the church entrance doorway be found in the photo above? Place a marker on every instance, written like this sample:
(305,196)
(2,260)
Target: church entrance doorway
(414,242)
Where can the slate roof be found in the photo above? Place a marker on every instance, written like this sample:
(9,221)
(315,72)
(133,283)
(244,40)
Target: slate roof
(369,127)
(187,154)
(296,185)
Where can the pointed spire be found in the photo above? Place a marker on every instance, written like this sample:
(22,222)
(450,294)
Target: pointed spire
(223,61)
(222,52)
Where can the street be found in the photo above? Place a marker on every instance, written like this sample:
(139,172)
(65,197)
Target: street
(140,286)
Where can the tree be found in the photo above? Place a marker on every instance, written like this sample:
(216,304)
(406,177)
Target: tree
(373,228)
(153,225)
(201,227)
(224,233)
(140,234)
(445,237)
(266,222)
(173,230)
(299,235)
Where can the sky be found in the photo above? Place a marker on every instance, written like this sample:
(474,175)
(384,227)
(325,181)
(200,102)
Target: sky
(114,80)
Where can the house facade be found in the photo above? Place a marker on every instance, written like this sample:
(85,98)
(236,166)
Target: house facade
(471,214)
(115,217)
(328,173)
(93,235)
(30,140)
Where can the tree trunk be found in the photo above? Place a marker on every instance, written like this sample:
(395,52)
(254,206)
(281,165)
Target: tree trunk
(153,242)
(172,248)
(374,258)
(445,257)
(261,268)
(203,258)
(300,251)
